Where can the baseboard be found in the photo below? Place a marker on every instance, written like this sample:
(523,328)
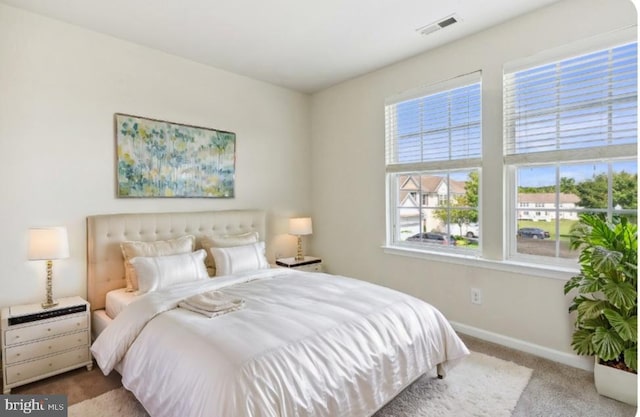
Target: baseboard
(580,362)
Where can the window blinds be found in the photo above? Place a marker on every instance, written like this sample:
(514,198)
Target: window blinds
(436,130)
(578,108)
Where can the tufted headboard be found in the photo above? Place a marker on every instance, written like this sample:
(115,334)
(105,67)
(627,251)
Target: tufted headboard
(105,264)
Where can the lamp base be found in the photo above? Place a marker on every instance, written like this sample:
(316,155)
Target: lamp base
(49,304)
(299,255)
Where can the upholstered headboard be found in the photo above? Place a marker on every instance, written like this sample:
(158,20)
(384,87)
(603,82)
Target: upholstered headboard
(105,265)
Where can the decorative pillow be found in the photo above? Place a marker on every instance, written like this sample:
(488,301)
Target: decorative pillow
(225,241)
(239,259)
(133,249)
(157,272)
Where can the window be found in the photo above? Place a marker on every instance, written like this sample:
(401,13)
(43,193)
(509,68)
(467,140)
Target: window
(433,145)
(570,146)
(443,197)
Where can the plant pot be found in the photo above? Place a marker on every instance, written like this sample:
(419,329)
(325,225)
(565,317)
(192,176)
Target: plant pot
(616,384)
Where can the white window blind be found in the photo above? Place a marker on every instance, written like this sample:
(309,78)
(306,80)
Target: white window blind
(435,128)
(584,107)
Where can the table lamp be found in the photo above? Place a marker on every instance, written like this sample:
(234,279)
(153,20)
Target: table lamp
(298,227)
(47,244)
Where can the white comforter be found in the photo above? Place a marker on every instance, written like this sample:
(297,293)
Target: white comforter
(305,344)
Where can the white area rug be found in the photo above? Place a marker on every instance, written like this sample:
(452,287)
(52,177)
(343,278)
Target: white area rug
(480,386)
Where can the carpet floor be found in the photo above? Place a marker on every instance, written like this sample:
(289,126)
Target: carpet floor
(553,389)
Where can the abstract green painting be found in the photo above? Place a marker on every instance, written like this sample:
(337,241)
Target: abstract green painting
(162,159)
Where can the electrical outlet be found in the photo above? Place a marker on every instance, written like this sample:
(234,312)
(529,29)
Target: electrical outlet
(476,296)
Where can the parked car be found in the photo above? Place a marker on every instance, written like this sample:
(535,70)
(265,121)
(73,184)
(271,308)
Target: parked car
(533,233)
(467,230)
(433,237)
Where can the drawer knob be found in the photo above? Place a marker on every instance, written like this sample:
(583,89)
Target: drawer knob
(50,364)
(48,330)
(17,354)
(49,347)
(17,337)
(18,374)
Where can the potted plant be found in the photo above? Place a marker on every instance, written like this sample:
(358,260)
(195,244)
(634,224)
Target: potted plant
(606,303)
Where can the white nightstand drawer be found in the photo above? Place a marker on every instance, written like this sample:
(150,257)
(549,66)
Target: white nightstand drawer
(15,373)
(42,330)
(46,347)
(317,267)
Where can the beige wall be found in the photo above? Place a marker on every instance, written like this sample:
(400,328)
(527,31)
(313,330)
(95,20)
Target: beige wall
(348,178)
(59,88)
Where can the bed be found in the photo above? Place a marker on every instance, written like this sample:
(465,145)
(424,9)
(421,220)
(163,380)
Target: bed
(304,344)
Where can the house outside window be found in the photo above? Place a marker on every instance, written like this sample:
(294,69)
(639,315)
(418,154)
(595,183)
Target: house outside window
(570,146)
(433,146)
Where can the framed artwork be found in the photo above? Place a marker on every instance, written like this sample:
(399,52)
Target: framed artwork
(156,158)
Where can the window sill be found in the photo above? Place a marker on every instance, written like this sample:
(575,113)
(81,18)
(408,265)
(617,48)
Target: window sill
(518,267)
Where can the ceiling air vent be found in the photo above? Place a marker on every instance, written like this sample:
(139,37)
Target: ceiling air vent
(440,24)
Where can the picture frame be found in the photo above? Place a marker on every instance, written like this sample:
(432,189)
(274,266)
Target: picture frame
(161,159)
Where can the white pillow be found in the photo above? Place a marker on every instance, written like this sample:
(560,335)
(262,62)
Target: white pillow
(238,259)
(132,249)
(159,272)
(225,241)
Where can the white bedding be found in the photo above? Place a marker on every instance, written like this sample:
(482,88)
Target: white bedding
(117,300)
(305,344)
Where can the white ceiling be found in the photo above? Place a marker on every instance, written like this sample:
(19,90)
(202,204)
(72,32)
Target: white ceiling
(305,45)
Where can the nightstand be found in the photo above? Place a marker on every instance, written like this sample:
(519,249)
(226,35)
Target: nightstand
(309,264)
(38,343)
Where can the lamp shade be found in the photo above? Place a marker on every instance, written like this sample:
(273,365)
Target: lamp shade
(47,243)
(300,226)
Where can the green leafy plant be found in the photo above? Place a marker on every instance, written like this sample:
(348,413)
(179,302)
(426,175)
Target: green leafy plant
(606,303)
